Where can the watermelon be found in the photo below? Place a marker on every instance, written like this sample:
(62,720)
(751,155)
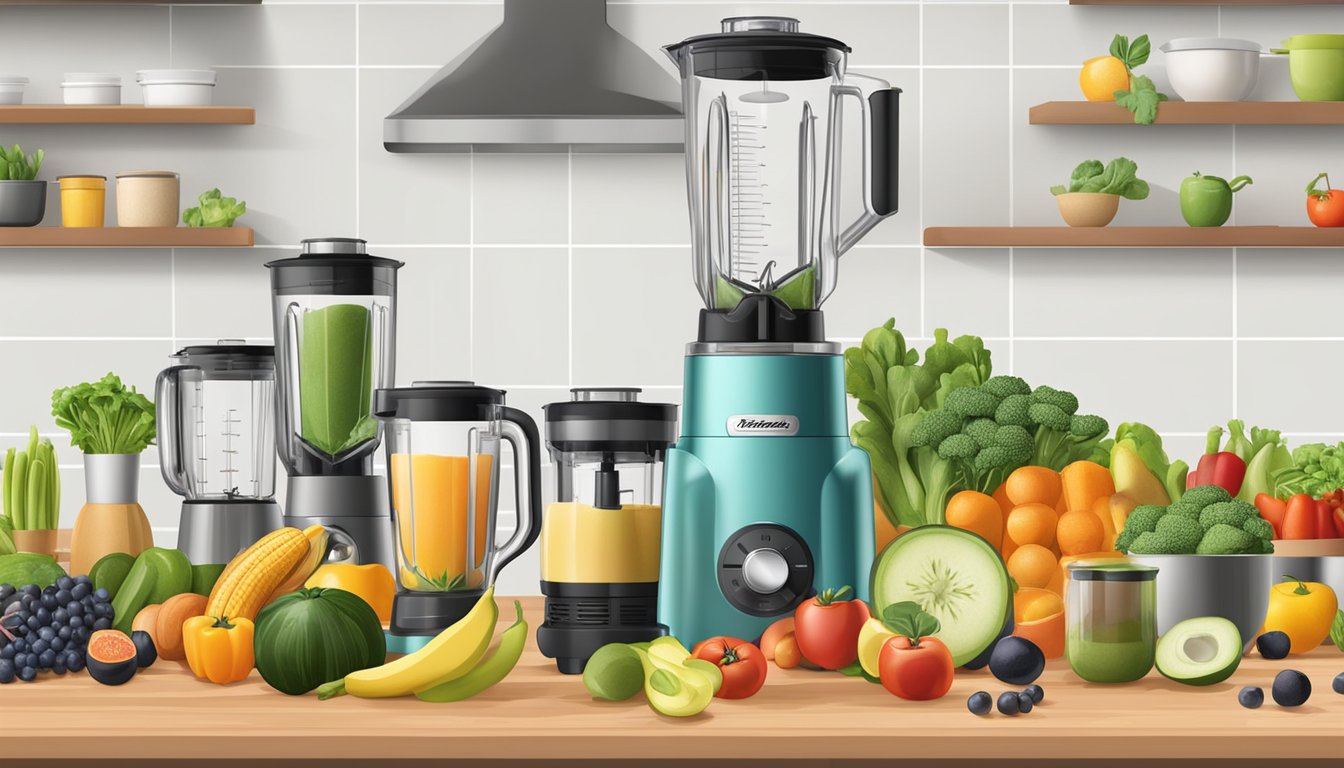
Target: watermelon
(314,636)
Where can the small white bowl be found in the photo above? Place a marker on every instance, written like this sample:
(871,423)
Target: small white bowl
(177,87)
(91,88)
(11,88)
(1212,68)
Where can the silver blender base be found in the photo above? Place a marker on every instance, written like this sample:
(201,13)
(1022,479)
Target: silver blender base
(215,531)
(353,508)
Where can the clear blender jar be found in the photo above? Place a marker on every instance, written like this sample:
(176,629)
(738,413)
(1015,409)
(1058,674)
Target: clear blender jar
(600,538)
(444,444)
(764,105)
(215,412)
(335,332)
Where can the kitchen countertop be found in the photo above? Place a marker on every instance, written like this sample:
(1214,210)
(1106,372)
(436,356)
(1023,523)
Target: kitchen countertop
(800,717)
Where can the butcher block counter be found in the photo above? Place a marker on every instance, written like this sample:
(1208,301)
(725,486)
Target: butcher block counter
(538,716)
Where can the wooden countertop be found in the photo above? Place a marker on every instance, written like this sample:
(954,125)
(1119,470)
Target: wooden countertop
(539,715)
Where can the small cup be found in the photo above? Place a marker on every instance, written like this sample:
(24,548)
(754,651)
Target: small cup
(82,200)
(147,199)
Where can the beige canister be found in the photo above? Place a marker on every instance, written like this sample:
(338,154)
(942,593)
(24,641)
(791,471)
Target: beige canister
(147,199)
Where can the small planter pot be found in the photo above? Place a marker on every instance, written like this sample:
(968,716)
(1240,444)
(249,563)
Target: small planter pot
(22,203)
(42,542)
(147,199)
(82,200)
(1088,209)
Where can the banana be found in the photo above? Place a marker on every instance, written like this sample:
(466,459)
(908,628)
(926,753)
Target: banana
(451,654)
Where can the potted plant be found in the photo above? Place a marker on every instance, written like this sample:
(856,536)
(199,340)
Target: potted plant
(1093,195)
(23,199)
(112,424)
(32,496)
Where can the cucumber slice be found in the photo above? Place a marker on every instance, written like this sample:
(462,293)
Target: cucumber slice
(952,574)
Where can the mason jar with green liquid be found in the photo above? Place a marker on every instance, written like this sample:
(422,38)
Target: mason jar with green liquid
(1111,612)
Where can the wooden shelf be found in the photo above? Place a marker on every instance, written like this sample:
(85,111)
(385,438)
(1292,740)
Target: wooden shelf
(1206,2)
(126,237)
(124,114)
(1193,113)
(1133,237)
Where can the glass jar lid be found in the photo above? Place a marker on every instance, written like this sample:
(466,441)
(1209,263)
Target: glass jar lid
(1111,570)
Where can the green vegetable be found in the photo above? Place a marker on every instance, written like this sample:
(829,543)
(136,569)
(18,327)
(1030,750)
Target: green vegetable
(614,673)
(1266,457)
(6,536)
(14,166)
(1142,99)
(894,392)
(1118,177)
(1133,54)
(214,210)
(1337,631)
(1222,539)
(29,568)
(1206,521)
(110,571)
(488,672)
(1145,442)
(312,636)
(105,416)
(32,486)
(1317,470)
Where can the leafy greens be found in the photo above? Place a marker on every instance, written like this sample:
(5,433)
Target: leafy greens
(1118,177)
(15,166)
(105,416)
(214,210)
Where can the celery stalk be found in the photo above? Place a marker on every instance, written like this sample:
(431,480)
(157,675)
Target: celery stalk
(37,492)
(8,484)
(19,496)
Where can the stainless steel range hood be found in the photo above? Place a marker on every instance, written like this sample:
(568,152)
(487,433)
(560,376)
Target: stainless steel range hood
(552,76)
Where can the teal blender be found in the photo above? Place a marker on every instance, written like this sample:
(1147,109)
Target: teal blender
(766,500)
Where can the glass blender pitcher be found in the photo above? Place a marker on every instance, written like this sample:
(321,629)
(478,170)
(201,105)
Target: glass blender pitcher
(215,412)
(335,333)
(443,460)
(600,538)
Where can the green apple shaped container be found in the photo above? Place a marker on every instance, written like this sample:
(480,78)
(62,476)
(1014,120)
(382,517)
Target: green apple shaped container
(1316,66)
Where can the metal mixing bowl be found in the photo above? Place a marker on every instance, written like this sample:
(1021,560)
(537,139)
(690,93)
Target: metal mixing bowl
(1235,587)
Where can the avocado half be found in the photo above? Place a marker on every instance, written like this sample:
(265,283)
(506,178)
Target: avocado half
(1200,651)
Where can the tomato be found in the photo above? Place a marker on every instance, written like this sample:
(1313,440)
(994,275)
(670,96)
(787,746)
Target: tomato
(827,627)
(742,664)
(1325,207)
(916,672)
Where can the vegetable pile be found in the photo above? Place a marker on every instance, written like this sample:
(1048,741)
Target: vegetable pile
(1206,521)
(105,416)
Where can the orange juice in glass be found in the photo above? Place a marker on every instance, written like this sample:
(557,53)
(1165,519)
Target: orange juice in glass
(443,508)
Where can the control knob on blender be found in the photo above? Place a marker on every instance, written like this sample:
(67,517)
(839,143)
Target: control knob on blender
(765,571)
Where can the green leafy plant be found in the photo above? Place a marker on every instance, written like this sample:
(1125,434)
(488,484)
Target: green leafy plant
(1142,97)
(15,166)
(105,416)
(1133,54)
(214,210)
(1118,177)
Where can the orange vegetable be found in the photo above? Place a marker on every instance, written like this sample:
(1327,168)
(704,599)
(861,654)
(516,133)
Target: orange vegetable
(980,514)
(773,634)
(1079,531)
(1001,496)
(1084,482)
(1032,524)
(1121,505)
(1033,566)
(1272,510)
(219,649)
(168,626)
(1299,519)
(787,654)
(1033,485)
(1047,633)
(372,583)
(1102,509)
(1031,604)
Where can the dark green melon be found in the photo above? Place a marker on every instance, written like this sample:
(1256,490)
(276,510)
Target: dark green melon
(314,636)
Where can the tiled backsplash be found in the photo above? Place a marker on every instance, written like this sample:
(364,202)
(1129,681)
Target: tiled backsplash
(541,272)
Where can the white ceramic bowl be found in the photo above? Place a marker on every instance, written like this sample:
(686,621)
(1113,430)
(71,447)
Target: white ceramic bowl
(91,88)
(11,89)
(1212,68)
(177,87)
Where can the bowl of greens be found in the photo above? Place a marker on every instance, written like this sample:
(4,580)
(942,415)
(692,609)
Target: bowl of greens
(1092,196)
(23,199)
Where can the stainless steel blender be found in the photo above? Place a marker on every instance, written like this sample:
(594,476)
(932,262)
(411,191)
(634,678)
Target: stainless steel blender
(215,411)
(335,330)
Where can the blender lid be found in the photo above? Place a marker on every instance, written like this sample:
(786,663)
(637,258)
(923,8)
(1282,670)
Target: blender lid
(334,266)
(602,418)
(438,401)
(235,348)
(760,48)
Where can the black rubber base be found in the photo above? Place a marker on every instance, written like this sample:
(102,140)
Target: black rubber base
(429,613)
(580,618)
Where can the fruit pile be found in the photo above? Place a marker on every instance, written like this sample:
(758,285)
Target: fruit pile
(48,629)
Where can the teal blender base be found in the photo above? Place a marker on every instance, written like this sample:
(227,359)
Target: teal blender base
(406,643)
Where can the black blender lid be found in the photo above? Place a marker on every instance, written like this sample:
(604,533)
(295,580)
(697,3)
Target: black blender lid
(760,48)
(438,401)
(610,419)
(236,348)
(334,265)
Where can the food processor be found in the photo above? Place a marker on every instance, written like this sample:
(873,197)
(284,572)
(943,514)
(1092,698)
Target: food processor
(599,538)
(443,460)
(335,314)
(766,500)
(215,411)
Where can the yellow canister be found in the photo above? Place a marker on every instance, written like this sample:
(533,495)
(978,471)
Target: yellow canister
(82,200)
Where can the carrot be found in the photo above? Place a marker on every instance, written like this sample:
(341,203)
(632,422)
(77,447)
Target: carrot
(975,512)
(1299,518)
(1084,482)
(1272,510)
(1001,496)
(1033,485)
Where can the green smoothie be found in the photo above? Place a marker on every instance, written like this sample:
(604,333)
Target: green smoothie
(1112,622)
(336,378)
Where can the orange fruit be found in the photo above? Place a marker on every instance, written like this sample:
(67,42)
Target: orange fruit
(1030,604)
(1102,76)
(1032,565)
(978,513)
(1078,532)
(1032,524)
(1033,485)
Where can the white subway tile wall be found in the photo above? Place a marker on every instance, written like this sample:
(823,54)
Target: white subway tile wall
(541,272)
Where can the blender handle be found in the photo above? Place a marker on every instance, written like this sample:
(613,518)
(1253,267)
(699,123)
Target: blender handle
(521,432)
(167,406)
(880,111)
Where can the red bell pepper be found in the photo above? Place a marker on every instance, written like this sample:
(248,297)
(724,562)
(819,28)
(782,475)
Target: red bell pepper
(1299,519)
(1272,510)
(1325,520)
(1221,468)
(1339,523)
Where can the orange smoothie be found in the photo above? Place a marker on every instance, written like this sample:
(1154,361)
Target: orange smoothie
(430,501)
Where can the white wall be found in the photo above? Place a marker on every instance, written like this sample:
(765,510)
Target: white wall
(527,271)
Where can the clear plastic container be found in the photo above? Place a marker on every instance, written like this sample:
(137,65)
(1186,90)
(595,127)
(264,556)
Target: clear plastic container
(1111,612)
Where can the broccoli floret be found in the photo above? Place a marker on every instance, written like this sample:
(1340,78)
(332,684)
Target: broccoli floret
(1202,496)
(1064,401)
(1088,427)
(1006,386)
(971,402)
(1013,411)
(1153,543)
(1223,539)
(1144,519)
(992,458)
(1051,416)
(1123,541)
(981,431)
(935,427)
(958,447)
(1181,533)
(1230,513)
(1258,527)
(1017,441)
(1266,547)
(1185,510)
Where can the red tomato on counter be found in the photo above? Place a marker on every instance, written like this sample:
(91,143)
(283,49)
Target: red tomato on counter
(827,628)
(742,664)
(916,672)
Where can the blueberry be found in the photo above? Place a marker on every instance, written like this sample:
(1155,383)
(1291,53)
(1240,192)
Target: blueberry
(1251,697)
(39,645)
(6,671)
(57,644)
(1273,645)
(1036,692)
(49,600)
(103,623)
(76,622)
(75,609)
(83,579)
(65,582)
(26,601)
(64,633)
(58,665)
(43,617)
(34,624)
(7,652)
(30,589)
(1009,703)
(102,610)
(46,659)
(979,703)
(27,674)
(6,590)
(1291,688)
(101,595)
(1338,683)
(62,597)
(1024,702)
(74,661)
(46,633)
(81,591)
(1016,661)
(60,616)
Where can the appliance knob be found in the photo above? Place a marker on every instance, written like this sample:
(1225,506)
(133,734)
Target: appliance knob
(765,571)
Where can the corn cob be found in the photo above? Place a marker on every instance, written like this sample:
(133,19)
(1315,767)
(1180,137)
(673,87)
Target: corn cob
(249,579)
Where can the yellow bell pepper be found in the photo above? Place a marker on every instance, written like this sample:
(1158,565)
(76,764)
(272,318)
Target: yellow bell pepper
(372,583)
(1303,610)
(219,649)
